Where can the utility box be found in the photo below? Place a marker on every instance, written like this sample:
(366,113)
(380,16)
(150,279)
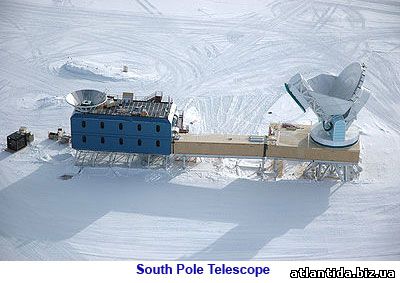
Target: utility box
(127,97)
(17,141)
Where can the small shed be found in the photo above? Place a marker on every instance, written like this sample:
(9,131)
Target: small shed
(16,141)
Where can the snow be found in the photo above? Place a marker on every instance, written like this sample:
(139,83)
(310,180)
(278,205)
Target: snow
(105,72)
(225,63)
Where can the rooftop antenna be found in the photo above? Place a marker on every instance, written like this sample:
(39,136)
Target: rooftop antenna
(86,99)
(336,100)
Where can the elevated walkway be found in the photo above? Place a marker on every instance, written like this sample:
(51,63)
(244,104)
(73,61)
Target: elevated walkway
(294,142)
(219,145)
(284,141)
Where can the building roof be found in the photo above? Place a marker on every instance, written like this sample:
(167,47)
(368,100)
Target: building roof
(16,136)
(134,108)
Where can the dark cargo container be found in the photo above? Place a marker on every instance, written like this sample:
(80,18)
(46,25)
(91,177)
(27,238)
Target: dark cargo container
(16,141)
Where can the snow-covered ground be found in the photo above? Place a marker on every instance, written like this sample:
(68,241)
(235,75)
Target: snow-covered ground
(225,63)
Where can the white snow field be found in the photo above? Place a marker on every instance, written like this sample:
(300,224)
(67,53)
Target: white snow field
(224,63)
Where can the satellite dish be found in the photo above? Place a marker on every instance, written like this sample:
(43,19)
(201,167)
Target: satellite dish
(336,100)
(86,99)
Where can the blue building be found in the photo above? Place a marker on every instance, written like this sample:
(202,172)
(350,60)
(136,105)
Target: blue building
(125,125)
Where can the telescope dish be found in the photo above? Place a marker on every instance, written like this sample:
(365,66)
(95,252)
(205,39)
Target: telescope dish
(86,99)
(347,82)
(336,100)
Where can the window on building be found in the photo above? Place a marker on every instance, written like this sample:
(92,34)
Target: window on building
(158,143)
(102,140)
(83,139)
(139,142)
(120,126)
(158,128)
(83,124)
(121,141)
(102,125)
(139,127)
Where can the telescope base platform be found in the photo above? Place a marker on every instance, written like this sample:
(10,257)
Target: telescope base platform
(322,137)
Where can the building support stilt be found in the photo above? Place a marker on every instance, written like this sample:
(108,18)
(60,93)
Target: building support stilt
(316,170)
(342,171)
